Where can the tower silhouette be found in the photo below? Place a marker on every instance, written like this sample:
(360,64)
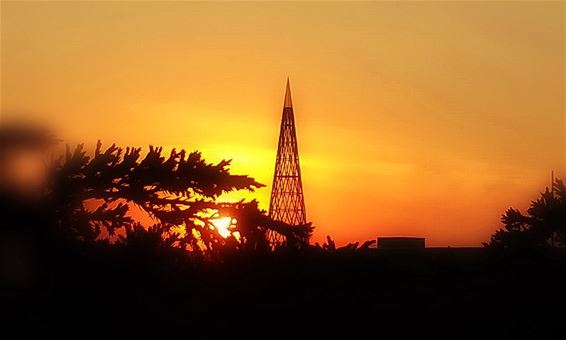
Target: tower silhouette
(287,203)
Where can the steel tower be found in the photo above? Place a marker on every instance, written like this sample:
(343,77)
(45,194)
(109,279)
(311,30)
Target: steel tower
(287,203)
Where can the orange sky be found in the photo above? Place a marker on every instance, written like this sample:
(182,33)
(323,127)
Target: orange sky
(414,118)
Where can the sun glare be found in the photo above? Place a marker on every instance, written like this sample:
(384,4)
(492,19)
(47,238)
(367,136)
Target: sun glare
(223,225)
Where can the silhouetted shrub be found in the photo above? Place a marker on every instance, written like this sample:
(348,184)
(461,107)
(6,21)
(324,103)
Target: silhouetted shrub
(89,199)
(544,225)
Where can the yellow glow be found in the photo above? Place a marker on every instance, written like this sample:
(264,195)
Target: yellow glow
(223,225)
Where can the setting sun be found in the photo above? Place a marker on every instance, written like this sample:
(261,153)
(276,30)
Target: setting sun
(224,225)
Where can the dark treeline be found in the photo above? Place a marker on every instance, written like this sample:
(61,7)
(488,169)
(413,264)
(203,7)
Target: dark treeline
(543,226)
(75,263)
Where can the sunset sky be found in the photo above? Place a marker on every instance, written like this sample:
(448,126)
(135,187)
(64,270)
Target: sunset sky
(413,118)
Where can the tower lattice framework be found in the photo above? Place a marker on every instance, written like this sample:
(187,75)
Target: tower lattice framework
(287,202)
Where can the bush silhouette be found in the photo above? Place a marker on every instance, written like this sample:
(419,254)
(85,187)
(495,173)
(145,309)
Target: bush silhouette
(544,225)
(88,198)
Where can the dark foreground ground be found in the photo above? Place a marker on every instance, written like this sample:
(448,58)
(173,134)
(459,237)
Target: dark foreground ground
(435,293)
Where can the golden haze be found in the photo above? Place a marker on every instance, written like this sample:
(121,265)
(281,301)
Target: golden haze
(414,118)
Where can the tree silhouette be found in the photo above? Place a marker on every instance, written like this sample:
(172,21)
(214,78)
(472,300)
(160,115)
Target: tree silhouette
(179,192)
(89,197)
(544,225)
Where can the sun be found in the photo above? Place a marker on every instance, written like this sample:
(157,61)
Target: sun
(223,225)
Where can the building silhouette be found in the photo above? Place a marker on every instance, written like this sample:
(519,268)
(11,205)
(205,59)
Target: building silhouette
(287,202)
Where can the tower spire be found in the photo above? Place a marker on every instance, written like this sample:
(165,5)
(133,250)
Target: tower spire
(287,203)
(288,102)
